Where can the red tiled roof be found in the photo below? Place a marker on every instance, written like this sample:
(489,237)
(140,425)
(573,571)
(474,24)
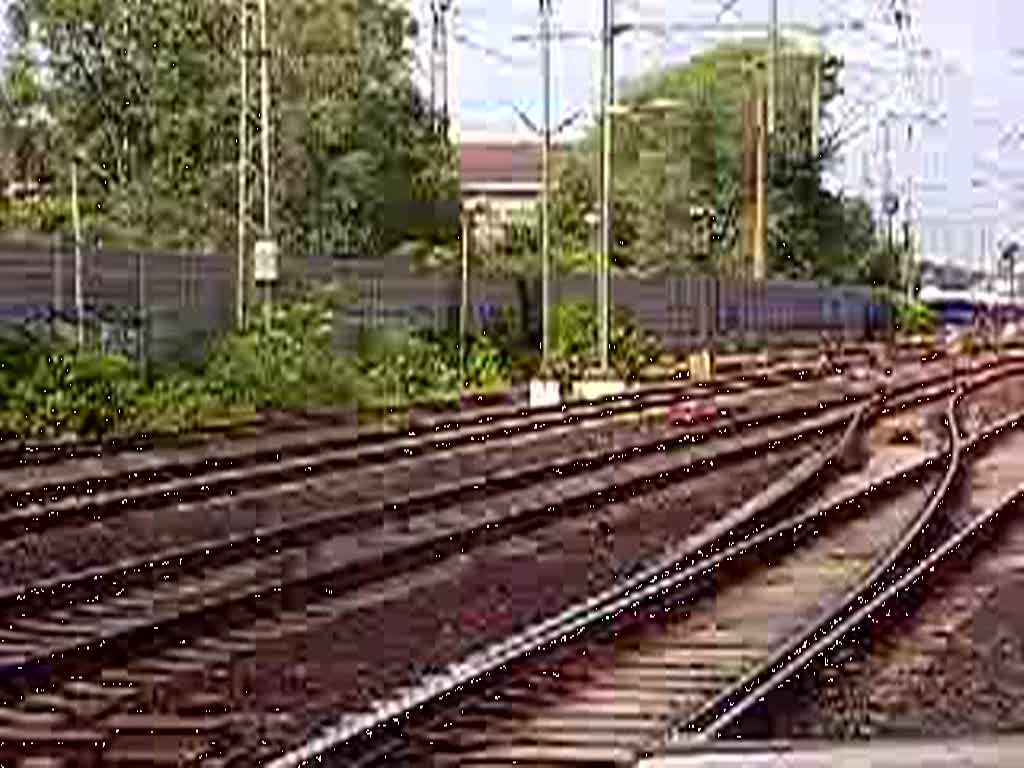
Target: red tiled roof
(494,163)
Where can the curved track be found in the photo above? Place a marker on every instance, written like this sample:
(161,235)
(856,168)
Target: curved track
(537,719)
(201,591)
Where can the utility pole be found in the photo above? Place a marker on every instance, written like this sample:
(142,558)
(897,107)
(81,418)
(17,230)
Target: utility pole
(816,99)
(761,209)
(445,6)
(243,161)
(889,202)
(267,251)
(468,216)
(435,23)
(748,185)
(77,226)
(545,211)
(607,99)
(1010,256)
(773,63)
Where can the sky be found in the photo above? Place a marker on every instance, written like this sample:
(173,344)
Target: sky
(957,73)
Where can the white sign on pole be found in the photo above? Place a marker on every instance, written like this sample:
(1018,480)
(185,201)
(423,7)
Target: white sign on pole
(265,261)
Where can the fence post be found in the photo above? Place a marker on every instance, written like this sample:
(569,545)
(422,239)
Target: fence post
(58,276)
(141,319)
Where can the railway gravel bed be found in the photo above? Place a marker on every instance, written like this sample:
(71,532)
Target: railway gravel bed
(174,599)
(953,666)
(91,474)
(564,558)
(354,501)
(547,720)
(152,679)
(15,452)
(893,453)
(27,504)
(222,528)
(610,706)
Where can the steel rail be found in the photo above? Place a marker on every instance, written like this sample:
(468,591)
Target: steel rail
(660,579)
(724,709)
(663,576)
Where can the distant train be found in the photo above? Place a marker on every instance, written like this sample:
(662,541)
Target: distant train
(960,310)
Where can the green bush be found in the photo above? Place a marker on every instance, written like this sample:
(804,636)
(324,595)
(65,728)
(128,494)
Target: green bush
(398,367)
(48,390)
(488,362)
(291,362)
(574,343)
(916,319)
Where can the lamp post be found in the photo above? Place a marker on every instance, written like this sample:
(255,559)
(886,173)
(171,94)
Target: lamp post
(468,217)
(592,219)
(545,211)
(76,220)
(1009,256)
(266,252)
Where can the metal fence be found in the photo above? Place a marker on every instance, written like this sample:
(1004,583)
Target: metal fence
(684,310)
(164,306)
(152,306)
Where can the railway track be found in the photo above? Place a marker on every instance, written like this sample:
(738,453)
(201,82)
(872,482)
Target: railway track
(181,536)
(953,535)
(49,495)
(438,430)
(606,699)
(940,659)
(53,635)
(224,511)
(280,435)
(122,514)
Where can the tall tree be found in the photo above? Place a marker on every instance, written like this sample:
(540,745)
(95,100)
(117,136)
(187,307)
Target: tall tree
(686,157)
(147,92)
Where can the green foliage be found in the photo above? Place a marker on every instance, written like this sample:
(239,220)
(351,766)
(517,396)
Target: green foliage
(54,390)
(671,164)
(916,318)
(397,368)
(291,362)
(148,92)
(49,390)
(574,344)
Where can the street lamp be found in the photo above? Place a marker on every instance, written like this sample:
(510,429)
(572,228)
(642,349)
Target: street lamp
(468,218)
(76,219)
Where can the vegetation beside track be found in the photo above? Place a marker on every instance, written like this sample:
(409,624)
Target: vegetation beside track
(52,390)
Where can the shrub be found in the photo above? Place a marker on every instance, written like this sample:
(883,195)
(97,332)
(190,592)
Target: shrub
(291,362)
(574,343)
(488,362)
(399,367)
(50,390)
(916,319)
